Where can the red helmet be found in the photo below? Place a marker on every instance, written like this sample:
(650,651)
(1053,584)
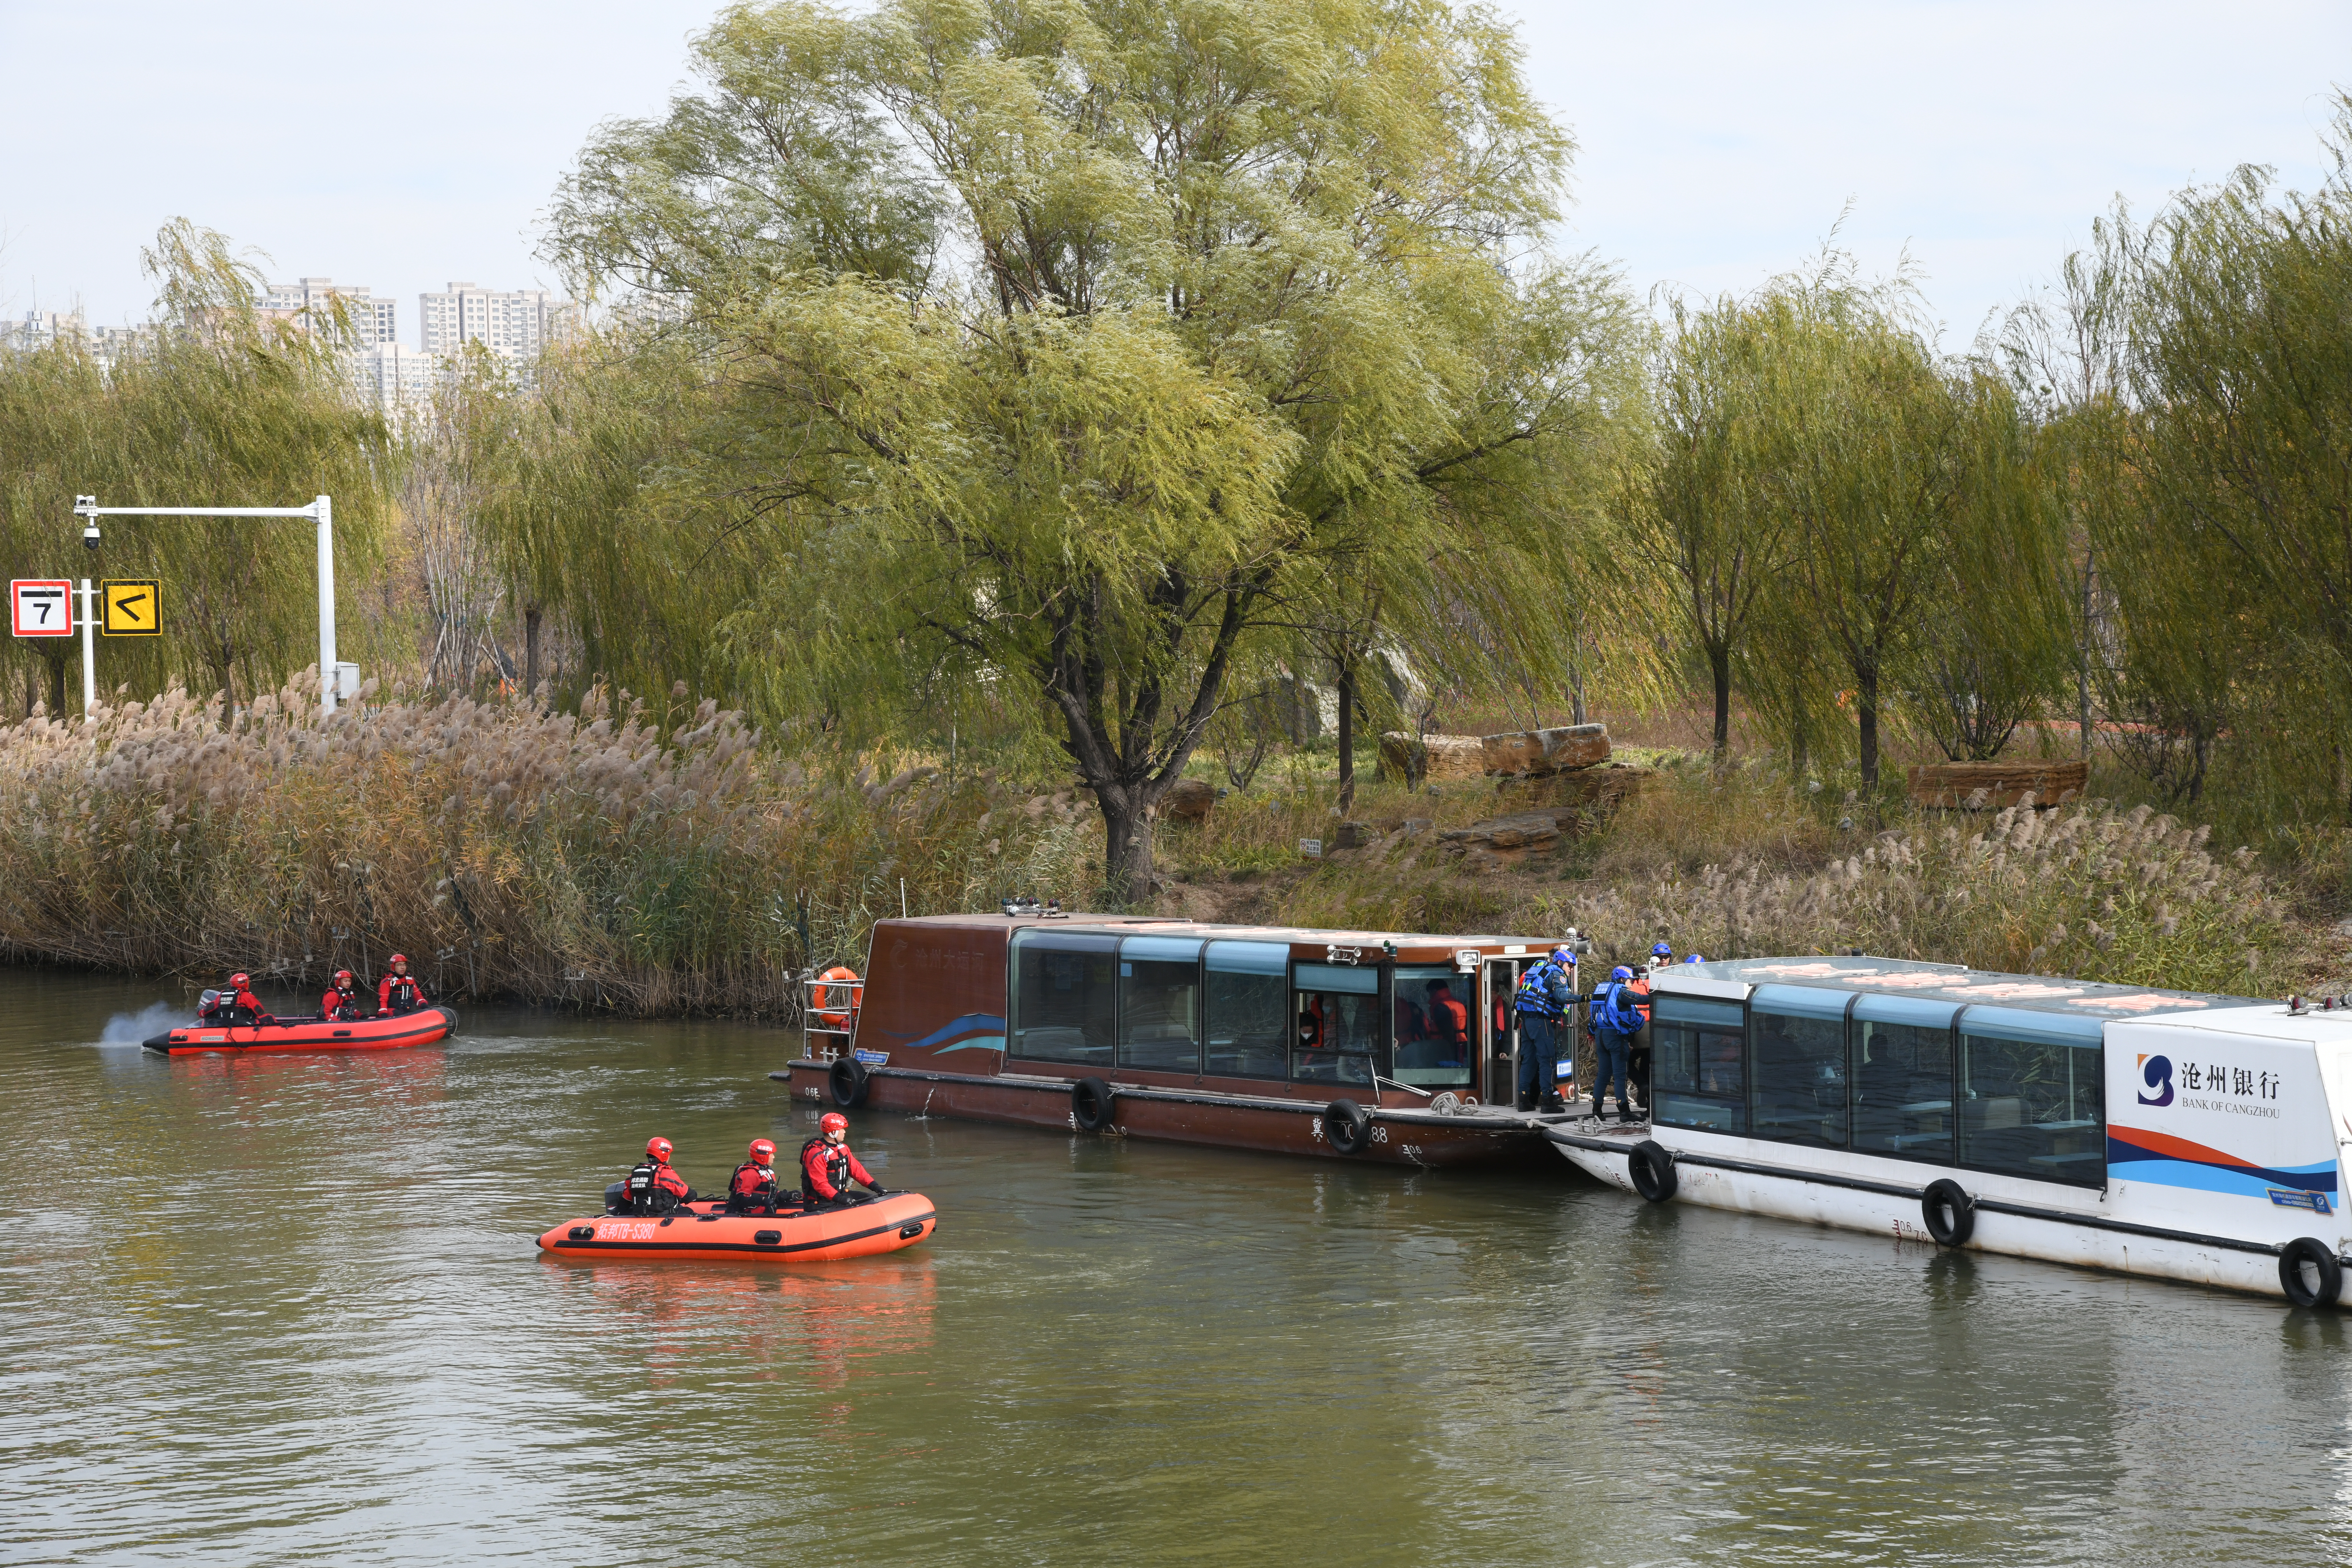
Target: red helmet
(764,1151)
(833,1121)
(658,1148)
(240,980)
(398,958)
(341,975)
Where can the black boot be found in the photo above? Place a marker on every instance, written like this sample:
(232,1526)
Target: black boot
(1527,1102)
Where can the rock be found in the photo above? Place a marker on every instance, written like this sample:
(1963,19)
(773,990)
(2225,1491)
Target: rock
(1417,759)
(1188,800)
(1955,786)
(1414,826)
(1598,791)
(1539,751)
(1350,836)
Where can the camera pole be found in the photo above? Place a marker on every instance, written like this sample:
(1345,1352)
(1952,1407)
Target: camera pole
(320,510)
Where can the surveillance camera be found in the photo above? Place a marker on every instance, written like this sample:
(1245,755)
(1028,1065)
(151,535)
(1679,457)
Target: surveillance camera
(89,535)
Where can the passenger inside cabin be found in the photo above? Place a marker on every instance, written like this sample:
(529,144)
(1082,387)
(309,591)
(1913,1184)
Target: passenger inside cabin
(1449,1024)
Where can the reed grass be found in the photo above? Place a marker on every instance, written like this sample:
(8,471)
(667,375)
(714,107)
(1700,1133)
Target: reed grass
(646,862)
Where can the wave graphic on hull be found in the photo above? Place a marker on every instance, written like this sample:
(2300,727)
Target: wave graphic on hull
(972,1032)
(2135,1154)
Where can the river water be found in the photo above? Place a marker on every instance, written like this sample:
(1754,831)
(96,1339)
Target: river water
(288,1309)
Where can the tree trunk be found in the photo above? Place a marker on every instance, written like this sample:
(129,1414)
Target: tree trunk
(1719,661)
(1869,706)
(530,650)
(1346,676)
(56,686)
(2082,653)
(1796,728)
(1126,843)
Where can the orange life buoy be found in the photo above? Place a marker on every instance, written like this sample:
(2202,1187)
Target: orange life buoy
(834,998)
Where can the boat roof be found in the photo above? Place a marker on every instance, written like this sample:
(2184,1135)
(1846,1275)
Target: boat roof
(1161,925)
(1944,982)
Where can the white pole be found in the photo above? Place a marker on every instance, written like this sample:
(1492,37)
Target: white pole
(324,509)
(89,650)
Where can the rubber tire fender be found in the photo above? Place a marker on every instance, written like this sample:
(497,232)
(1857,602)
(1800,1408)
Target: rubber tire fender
(1093,1104)
(845,1080)
(1652,1168)
(1950,1212)
(2305,1249)
(1348,1126)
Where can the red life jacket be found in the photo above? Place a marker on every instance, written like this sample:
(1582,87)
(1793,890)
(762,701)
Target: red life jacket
(399,994)
(752,1183)
(829,1168)
(338,1003)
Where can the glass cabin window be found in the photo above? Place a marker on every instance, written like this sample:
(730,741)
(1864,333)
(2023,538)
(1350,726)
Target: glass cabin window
(2032,1103)
(1902,1077)
(1798,1063)
(1245,1015)
(1698,1070)
(1160,1003)
(1336,1024)
(1065,997)
(1434,1016)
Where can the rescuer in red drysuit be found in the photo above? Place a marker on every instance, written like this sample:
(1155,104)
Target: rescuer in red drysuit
(341,1001)
(827,1167)
(653,1186)
(752,1188)
(234,1004)
(398,991)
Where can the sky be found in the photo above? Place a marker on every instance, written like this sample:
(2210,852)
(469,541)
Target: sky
(402,148)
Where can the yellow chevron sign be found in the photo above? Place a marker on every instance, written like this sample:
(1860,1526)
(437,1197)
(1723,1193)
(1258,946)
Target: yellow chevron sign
(130,607)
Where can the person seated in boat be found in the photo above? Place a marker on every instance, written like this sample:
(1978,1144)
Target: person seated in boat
(827,1166)
(340,1004)
(1449,1024)
(752,1188)
(235,1004)
(653,1186)
(398,991)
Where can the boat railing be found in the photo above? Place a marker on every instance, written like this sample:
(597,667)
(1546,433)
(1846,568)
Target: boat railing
(831,1014)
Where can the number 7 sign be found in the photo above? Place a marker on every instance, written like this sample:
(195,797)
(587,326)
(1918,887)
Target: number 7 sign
(40,607)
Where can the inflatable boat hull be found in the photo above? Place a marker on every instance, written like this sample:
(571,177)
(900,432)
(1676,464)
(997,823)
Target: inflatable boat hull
(424,1027)
(704,1232)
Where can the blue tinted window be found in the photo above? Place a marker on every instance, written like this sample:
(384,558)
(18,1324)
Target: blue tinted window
(2031,1100)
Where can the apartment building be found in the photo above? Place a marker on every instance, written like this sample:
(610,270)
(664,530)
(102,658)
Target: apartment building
(516,323)
(373,320)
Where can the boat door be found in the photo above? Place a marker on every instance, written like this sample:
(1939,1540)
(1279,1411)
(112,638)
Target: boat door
(1499,1033)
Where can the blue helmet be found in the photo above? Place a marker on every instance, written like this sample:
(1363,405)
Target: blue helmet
(1692,958)
(1564,955)
(1663,950)
(1620,973)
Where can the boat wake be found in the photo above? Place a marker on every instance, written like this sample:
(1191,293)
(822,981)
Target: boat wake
(131,1028)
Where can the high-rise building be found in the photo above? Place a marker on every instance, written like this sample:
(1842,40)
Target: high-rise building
(514,323)
(372,321)
(399,379)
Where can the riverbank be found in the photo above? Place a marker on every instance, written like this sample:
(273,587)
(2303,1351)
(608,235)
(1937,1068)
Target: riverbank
(659,859)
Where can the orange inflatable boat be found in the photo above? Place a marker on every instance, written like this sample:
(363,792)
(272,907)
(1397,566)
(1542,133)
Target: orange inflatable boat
(705,1230)
(384,1032)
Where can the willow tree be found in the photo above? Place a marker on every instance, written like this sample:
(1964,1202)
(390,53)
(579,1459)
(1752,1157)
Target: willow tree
(215,406)
(2240,369)
(1079,343)
(1695,510)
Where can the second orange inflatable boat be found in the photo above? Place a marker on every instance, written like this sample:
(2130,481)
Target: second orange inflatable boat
(705,1230)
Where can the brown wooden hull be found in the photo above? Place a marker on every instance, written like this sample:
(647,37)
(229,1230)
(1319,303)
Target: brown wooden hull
(1266,1125)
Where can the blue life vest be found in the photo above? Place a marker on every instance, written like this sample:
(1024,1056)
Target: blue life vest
(1619,1009)
(1534,995)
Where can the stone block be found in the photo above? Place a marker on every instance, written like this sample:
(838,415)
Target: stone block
(1990,786)
(1188,800)
(1539,751)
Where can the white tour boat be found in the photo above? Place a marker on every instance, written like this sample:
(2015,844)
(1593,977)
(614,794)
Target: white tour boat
(2165,1132)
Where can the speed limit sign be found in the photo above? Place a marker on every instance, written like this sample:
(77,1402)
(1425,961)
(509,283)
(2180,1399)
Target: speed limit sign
(40,607)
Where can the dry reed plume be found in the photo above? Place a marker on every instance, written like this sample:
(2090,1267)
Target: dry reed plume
(606,859)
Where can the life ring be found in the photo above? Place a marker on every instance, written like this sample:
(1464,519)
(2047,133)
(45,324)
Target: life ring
(846,1081)
(1092,1104)
(1348,1127)
(1950,1213)
(834,998)
(1652,1170)
(2309,1273)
